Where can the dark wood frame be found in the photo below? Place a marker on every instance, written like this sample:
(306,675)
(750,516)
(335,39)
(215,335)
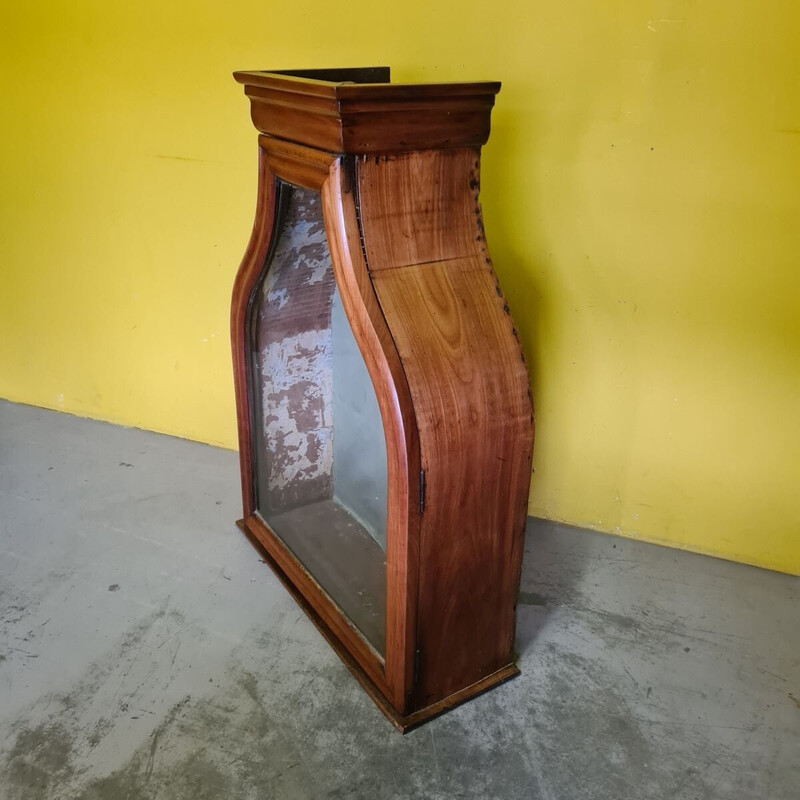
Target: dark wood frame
(324,135)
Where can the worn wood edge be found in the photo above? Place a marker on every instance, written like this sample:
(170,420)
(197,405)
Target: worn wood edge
(404,723)
(324,607)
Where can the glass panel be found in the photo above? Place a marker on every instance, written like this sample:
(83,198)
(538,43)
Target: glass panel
(320,454)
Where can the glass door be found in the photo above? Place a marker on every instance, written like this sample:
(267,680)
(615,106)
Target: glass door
(320,454)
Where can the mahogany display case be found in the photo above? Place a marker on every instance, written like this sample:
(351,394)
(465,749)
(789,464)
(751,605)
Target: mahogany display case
(384,411)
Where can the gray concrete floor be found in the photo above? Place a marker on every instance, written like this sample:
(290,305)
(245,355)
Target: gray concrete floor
(145,652)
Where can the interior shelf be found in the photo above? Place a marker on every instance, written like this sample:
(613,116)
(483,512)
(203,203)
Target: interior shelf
(343,559)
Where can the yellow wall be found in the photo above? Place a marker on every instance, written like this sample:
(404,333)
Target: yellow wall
(641,194)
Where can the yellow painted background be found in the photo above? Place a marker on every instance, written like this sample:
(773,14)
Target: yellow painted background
(642,201)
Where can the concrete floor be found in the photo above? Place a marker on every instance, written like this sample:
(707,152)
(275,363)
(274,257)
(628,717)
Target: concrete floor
(145,652)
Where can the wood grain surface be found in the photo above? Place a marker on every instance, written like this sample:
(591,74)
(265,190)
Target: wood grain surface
(296,164)
(431,270)
(415,209)
(398,169)
(368,117)
(397,412)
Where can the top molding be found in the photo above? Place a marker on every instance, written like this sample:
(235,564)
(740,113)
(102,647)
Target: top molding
(357,111)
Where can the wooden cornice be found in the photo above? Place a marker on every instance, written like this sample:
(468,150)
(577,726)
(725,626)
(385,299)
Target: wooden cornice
(358,111)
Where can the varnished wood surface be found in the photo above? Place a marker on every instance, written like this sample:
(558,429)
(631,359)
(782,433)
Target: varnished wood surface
(295,164)
(420,208)
(436,286)
(351,117)
(470,396)
(408,249)
(416,718)
(397,412)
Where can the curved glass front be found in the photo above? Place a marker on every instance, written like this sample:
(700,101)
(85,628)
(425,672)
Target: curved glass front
(320,454)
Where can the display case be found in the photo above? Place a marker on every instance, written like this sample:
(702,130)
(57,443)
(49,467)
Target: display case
(384,410)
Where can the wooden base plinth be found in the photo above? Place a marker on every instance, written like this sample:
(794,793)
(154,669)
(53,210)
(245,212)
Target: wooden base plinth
(403,723)
(411,721)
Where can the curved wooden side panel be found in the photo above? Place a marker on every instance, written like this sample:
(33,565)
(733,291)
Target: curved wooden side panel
(402,445)
(423,235)
(253,264)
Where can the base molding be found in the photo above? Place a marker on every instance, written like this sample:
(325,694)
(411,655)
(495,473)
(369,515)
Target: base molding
(411,721)
(403,723)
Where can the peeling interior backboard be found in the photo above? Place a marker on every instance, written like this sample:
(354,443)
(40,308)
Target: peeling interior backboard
(318,432)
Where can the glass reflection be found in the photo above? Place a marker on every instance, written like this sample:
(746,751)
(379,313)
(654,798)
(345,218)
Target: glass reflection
(320,454)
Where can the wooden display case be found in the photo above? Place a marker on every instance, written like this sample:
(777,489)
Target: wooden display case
(384,411)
